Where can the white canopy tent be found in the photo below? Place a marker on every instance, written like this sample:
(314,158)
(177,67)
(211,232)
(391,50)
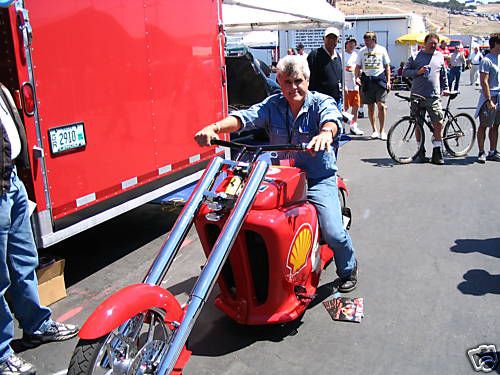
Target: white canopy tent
(251,15)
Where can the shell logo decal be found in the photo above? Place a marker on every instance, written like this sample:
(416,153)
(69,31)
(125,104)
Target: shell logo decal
(299,251)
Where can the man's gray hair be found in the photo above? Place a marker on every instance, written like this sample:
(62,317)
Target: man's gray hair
(292,65)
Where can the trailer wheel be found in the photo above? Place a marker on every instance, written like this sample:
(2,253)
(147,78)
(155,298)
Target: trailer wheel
(137,350)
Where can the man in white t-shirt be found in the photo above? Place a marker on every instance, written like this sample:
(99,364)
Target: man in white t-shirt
(373,74)
(351,89)
(474,61)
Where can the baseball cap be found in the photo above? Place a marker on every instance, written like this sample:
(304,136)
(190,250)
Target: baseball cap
(332,30)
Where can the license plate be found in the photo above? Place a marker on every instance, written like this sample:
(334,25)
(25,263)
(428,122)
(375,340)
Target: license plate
(68,137)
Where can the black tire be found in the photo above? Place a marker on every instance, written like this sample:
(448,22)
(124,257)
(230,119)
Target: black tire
(402,144)
(85,355)
(459,134)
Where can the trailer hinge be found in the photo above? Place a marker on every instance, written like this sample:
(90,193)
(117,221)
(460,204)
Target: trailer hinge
(23,23)
(37,152)
(223,76)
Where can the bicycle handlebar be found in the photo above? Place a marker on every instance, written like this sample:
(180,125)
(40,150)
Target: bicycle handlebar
(451,94)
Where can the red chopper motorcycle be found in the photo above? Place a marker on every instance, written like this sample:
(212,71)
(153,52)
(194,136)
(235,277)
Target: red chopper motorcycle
(255,216)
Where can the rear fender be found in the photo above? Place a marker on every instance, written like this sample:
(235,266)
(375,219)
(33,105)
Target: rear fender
(341,185)
(127,303)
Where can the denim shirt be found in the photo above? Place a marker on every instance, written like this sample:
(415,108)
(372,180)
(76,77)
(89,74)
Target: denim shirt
(275,116)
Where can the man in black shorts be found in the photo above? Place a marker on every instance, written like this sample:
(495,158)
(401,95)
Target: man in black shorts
(375,81)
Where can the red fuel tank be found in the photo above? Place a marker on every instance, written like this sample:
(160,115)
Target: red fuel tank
(273,268)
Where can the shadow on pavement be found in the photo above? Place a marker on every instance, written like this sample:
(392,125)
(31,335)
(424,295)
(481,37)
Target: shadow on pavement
(468,160)
(224,336)
(489,246)
(479,283)
(380,162)
(89,251)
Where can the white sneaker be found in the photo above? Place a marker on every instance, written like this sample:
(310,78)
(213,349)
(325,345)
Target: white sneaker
(375,135)
(383,136)
(355,129)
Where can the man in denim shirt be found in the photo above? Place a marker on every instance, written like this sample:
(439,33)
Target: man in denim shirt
(296,116)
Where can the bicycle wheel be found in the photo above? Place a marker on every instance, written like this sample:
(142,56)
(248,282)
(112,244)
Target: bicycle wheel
(401,141)
(459,134)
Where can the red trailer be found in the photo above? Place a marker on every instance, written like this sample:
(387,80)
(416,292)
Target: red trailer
(111,93)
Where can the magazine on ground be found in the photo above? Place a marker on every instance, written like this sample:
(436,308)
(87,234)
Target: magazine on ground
(345,308)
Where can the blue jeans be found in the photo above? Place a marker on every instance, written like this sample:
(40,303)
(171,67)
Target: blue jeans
(324,195)
(19,259)
(454,75)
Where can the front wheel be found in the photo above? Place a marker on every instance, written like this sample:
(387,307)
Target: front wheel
(402,142)
(134,348)
(459,134)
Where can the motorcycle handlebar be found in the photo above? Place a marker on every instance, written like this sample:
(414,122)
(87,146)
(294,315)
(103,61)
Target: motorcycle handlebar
(259,148)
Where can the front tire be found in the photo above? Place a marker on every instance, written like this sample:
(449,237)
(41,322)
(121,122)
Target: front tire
(135,347)
(459,134)
(402,143)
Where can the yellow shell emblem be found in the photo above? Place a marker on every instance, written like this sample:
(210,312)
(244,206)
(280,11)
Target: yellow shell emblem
(299,251)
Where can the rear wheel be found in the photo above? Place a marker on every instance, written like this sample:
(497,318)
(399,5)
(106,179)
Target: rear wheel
(459,134)
(402,143)
(134,348)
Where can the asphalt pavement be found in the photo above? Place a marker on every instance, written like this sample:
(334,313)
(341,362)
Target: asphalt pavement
(428,242)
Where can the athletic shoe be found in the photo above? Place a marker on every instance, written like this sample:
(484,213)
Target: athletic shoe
(493,157)
(383,136)
(437,156)
(15,365)
(375,135)
(355,129)
(51,331)
(481,158)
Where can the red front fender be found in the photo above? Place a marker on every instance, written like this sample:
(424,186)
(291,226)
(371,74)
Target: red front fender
(127,303)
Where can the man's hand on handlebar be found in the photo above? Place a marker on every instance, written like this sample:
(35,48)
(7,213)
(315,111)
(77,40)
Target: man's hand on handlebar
(323,140)
(205,135)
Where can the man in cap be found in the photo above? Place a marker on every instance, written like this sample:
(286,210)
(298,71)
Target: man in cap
(375,81)
(301,51)
(325,65)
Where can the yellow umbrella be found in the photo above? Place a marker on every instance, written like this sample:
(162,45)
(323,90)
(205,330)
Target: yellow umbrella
(417,38)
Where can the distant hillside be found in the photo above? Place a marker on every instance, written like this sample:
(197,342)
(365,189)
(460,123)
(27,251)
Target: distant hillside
(437,19)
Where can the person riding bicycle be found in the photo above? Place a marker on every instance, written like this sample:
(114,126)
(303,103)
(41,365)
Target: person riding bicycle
(427,69)
(298,116)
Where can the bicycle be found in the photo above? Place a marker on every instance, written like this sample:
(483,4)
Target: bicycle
(458,136)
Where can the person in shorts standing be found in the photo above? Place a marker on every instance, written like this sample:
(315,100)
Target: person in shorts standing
(351,90)
(488,106)
(373,74)
(427,69)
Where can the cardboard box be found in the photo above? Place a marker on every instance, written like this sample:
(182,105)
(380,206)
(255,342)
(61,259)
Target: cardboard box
(51,286)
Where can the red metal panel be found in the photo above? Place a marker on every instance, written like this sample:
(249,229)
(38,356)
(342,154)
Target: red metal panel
(130,70)
(184,69)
